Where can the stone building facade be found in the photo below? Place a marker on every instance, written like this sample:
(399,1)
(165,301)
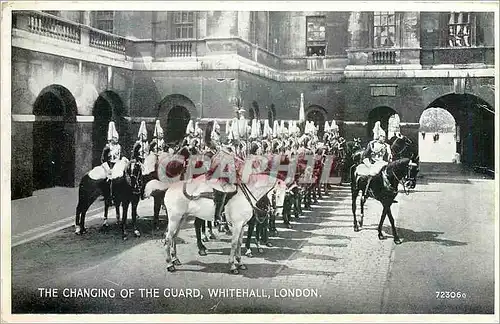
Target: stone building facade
(73,72)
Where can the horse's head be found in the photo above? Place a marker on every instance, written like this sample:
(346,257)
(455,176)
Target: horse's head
(402,147)
(405,171)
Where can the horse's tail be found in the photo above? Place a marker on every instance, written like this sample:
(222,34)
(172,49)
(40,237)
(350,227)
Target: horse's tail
(155,186)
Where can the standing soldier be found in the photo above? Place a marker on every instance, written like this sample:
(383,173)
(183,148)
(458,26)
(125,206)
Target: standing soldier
(111,154)
(158,143)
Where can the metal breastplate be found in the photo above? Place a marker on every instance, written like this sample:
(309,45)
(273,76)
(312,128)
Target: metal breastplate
(378,151)
(114,153)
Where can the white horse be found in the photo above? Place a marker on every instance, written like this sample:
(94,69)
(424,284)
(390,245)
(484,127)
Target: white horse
(195,198)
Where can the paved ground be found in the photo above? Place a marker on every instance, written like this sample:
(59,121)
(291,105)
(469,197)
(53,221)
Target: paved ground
(446,240)
(449,247)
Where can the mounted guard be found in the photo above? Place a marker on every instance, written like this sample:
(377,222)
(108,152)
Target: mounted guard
(158,143)
(377,155)
(112,151)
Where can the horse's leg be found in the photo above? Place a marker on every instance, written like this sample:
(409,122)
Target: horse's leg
(382,219)
(265,233)
(397,240)
(169,240)
(156,213)
(251,225)
(124,220)
(354,195)
(117,202)
(235,239)
(240,265)
(204,231)
(202,250)
(210,231)
(175,259)
(135,203)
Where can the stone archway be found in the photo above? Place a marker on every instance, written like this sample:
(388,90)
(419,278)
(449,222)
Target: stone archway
(382,114)
(475,128)
(108,107)
(174,113)
(437,136)
(54,128)
(317,114)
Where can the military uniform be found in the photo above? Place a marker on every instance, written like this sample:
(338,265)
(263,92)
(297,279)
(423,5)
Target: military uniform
(158,143)
(141,146)
(112,151)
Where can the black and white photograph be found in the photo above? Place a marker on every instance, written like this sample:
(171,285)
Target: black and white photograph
(255,161)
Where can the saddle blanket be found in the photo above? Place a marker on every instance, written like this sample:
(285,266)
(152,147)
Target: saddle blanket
(98,173)
(369,169)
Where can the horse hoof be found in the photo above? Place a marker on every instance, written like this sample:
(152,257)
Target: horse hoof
(249,254)
(381,237)
(289,226)
(242,267)
(205,239)
(176,262)
(261,250)
(77,232)
(171,268)
(137,233)
(124,237)
(212,236)
(105,225)
(360,224)
(397,241)
(202,252)
(356,229)
(234,271)
(269,244)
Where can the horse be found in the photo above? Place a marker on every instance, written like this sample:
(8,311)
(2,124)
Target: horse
(89,190)
(195,197)
(383,190)
(266,208)
(127,191)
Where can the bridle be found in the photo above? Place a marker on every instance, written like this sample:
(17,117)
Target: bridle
(408,176)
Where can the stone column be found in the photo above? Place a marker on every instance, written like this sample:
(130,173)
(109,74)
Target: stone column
(86,18)
(355,29)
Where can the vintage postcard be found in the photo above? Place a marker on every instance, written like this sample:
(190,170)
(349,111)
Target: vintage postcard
(249,161)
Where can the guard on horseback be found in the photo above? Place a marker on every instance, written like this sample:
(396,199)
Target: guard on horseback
(141,150)
(158,143)
(377,155)
(111,153)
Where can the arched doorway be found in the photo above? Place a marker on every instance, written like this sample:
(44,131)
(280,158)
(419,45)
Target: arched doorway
(108,107)
(382,114)
(177,121)
(475,128)
(318,115)
(174,113)
(437,136)
(54,138)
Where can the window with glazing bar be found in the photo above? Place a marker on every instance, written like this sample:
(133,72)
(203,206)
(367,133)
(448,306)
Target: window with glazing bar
(316,36)
(459,29)
(384,29)
(184,24)
(103,20)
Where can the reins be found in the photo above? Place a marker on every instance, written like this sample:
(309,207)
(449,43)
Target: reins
(249,194)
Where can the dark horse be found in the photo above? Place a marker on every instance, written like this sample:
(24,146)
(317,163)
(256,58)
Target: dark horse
(127,191)
(88,191)
(385,192)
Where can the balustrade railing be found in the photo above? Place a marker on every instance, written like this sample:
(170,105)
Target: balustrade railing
(106,41)
(54,27)
(181,49)
(384,57)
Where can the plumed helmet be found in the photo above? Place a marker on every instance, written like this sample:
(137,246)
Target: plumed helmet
(190,128)
(112,133)
(158,132)
(378,131)
(327,127)
(142,130)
